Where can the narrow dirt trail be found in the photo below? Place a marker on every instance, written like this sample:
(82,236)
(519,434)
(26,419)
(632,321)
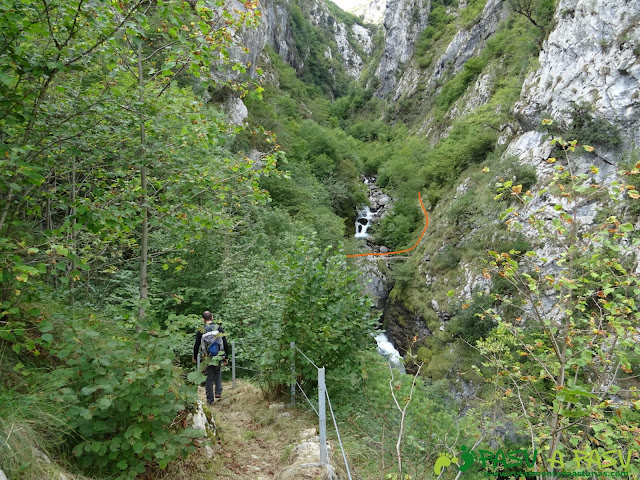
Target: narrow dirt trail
(255,437)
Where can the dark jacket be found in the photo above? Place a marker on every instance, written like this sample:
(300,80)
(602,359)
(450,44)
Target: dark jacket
(225,344)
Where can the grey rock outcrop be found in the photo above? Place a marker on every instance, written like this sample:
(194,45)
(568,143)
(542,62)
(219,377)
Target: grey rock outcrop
(375,279)
(464,45)
(200,420)
(2,475)
(402,325)
(371,11)
(403,21)
(321,17)
(468,42)
(591,56)
(236,110)
(275,29)
(443,316)
(304,460)
(362,36)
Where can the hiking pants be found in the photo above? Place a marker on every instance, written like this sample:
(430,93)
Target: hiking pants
(214,374)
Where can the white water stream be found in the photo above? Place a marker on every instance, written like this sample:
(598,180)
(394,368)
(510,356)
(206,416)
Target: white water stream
(388,351)
(363,221)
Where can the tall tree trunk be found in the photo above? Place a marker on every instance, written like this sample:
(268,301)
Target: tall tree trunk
(5,209)
(144,259)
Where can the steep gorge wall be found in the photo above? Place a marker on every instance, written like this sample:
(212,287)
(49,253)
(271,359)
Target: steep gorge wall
(403,21)
(590,57)
(347,42)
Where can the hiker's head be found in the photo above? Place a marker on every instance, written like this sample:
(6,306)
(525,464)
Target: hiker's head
(207,317)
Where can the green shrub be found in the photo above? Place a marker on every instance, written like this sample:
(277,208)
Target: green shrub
(126,394)
(470,323)
(591,130)
(455,87)
(403,274)
(321,307)
(525,176)
(517,244)
(395,231)
(438,26)
(463,208)
(466,145)
(471,13)
(446,259)
(371,421)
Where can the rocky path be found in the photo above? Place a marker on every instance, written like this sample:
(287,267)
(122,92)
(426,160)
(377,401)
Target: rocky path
(258,440)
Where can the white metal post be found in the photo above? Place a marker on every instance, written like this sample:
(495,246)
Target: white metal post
(293,374)
(322,413)
(233,364)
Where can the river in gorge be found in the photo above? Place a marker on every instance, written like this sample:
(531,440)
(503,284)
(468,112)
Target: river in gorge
(379,205)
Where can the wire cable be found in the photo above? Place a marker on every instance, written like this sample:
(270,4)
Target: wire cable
(305,396)
(335,424)
(250,369)
(308,359)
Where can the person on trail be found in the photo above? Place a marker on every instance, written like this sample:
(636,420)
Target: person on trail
(213,371)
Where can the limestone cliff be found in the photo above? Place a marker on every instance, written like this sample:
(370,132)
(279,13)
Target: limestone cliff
(403,21)
(348,43)
(466,43)
(591,56)
(370,11)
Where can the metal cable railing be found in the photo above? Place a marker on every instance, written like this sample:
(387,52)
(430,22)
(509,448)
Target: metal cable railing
(320,411)
(335,424)
(309,401)
(308,359)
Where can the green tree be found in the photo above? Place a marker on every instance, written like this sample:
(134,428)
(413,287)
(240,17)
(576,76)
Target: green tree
(321,307)
(99,163)
(564,360)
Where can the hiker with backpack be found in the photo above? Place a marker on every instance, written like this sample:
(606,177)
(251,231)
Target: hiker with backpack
(211,343)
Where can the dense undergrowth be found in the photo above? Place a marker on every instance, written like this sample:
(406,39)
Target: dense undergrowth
(128,216)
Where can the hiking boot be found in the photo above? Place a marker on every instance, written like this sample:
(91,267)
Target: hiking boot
(218,396)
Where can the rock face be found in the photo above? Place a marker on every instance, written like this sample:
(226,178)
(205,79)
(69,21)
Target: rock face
(403,21)
(375,278)
(591,56)
(370,11)
(201,421)
(321,17)
(468,43)
(276,29)
(402,325)
(236,110)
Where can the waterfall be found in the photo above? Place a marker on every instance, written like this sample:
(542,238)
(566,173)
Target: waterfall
(388,351)
(380,205)
(363,221)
